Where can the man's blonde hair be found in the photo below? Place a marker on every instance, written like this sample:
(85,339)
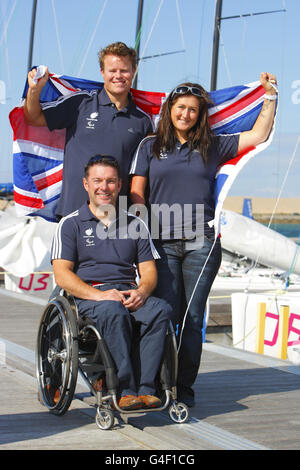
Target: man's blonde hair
(119,49)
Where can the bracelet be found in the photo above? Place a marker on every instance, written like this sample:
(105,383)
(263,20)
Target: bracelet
(270,97)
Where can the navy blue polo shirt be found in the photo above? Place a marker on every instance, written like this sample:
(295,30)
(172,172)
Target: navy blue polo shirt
(94,126)
(101,254)
(181,177)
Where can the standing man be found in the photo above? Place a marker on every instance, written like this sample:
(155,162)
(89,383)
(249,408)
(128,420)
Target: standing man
(94,258)
(106,122)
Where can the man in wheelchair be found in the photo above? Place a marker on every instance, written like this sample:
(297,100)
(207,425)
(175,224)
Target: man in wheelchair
(95,259)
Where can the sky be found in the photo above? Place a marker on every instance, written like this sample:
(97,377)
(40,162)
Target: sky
(69,34)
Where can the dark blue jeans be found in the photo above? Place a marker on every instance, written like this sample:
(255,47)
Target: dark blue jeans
(135,339)
(178,272)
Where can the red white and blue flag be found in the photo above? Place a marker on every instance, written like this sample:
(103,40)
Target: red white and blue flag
(38,153)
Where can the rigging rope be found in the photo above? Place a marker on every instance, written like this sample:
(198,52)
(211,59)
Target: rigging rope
(139,34)
(92,37)
(58,39)
(180,24)
(6,49)
(192,295)
(149,37)
(3,37)
(279,195)
(225,56)
(200,40)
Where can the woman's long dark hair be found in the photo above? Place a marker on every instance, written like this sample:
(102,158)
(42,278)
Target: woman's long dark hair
(200,137)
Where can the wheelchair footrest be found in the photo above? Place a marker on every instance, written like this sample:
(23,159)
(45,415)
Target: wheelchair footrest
(92,368)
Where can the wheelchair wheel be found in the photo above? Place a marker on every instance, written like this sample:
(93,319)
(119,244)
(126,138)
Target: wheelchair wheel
(57,356)
(179,412)
(104,418)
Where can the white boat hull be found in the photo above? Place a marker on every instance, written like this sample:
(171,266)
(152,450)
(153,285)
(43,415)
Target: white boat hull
(244,236)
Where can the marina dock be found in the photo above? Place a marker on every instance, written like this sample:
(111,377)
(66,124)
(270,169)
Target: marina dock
(244,401)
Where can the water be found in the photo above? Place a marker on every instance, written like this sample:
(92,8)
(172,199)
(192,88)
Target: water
(288,230)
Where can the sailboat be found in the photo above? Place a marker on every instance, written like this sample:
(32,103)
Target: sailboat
(245,242)
(255,257)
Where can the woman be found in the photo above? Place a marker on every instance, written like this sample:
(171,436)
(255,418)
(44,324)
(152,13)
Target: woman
(177,166)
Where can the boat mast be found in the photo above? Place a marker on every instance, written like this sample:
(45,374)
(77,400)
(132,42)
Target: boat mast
(216,40)
(138,41)
(215,52)
(138,36)
(32,34)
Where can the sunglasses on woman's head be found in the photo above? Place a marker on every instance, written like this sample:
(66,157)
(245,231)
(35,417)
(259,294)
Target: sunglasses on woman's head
(180,90)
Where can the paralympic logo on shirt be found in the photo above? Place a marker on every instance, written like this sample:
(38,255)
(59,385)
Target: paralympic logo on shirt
(89,237)
(91,120)
(161,221)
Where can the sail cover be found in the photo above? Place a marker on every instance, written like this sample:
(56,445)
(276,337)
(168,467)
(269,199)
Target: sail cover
(38,153)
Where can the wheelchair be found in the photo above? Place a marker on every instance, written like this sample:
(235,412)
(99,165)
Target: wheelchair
(68,345)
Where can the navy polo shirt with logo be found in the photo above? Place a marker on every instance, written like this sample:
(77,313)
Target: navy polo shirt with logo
(94,126)
(181,177)
(100,254)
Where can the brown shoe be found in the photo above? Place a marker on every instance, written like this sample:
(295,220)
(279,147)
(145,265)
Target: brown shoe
(54,393)
(130,402)
(150,401)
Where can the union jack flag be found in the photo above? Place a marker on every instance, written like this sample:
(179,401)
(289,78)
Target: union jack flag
(38,153)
